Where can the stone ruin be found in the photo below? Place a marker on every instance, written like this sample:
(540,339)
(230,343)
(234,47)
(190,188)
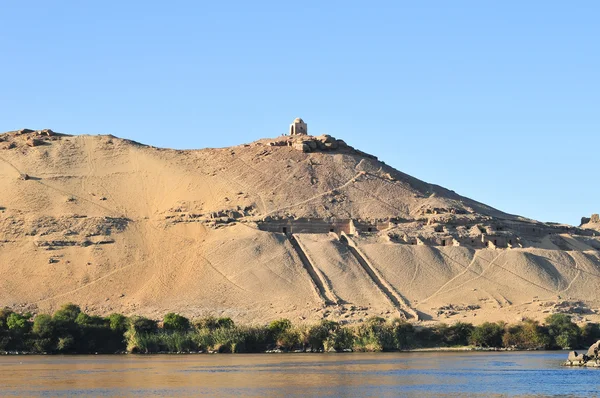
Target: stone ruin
(299,140)
(298,127)
(321,226)
(594,219)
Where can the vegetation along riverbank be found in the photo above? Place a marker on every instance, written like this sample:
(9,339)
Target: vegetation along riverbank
(72,331)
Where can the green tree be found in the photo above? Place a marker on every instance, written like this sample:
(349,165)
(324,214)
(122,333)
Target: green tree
(141,324)
(139,333)
(404,334)
(4,314)
(288,339)
(44,339)
(526,335)
(175,322)
(563,332)
(67,314)
(375,335)
(279,326)
(590,333)
(225,322)
(339,339)
(117,323)
(212,323)
(487,335)
(67,331)
(19,324)
(208,323)
(458,334)
(281,334)
(84,319)
(43,326)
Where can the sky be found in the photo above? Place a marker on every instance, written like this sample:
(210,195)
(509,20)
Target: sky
(496,100)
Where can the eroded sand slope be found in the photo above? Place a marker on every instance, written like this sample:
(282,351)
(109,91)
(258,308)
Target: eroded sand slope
(114,225)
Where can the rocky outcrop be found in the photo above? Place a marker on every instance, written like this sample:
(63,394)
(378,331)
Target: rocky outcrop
(575,359)
(320,143)
(590,359)
(593,350)
(31,141)
(28,137)
(8,145)
(74,230)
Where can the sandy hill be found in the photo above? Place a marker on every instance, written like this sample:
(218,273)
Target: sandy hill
(297,226)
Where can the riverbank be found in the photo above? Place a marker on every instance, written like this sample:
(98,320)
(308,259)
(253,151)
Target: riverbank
(72,331)
(277,351)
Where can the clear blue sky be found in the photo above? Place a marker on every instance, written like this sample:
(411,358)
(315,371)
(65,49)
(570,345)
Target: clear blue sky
(497,100)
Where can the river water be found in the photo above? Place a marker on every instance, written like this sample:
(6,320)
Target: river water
(295,375)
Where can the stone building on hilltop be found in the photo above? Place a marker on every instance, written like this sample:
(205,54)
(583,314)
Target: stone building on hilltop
(298,127)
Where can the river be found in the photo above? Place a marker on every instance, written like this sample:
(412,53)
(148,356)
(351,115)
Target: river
(419,374)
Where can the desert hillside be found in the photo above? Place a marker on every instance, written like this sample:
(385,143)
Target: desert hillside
(296,226)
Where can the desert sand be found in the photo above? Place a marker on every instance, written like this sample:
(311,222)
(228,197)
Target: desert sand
(117,226)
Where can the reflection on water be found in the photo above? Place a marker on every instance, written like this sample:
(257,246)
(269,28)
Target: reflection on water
(335,375)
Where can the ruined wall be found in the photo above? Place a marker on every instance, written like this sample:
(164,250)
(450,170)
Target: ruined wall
(321,226)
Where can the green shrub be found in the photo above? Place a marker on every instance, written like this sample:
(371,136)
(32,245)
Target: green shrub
(339,339)
(203,339)
(70,330)
(43,345)
(227,340)
(144,343)
(179,341)
(212,323)
(315,336)
(239,339)
(66,344)
(375,335)
(256,339)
